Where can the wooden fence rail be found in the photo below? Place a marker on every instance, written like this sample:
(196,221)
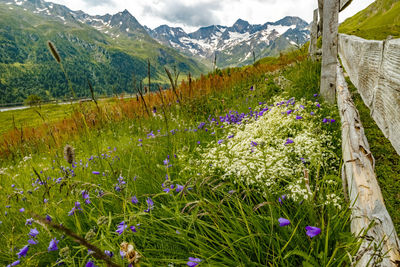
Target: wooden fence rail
(374,69)
(369,219)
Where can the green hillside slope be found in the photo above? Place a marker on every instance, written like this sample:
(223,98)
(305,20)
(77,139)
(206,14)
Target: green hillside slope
(27,67)
(377,21)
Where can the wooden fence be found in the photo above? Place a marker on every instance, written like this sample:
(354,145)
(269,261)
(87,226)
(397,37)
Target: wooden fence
(374,69)
(369,219)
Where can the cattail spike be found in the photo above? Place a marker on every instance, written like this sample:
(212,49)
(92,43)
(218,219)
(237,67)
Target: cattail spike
(69,154)
(54,52)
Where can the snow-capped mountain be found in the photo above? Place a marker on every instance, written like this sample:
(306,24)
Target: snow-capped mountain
(113,25)
(235,45)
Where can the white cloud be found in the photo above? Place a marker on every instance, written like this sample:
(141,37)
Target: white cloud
(190,14)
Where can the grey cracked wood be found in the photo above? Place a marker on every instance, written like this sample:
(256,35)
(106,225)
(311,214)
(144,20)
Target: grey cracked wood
(368,210)
(374,69)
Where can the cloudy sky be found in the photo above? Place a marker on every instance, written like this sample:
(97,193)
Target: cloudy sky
(190,14)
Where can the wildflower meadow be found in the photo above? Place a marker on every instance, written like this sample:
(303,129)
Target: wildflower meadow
(245,176)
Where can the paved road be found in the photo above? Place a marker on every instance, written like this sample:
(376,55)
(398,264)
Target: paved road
(59,103)
(13,108)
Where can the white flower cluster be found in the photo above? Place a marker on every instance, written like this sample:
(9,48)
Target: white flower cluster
(271,151)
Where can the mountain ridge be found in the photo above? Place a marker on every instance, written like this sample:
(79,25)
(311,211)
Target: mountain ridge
(106,50)
(238,40)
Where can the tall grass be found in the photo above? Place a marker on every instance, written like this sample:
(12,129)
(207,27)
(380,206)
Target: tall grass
(36,138)
(121,152)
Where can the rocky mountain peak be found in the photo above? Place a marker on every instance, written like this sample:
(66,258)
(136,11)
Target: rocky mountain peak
(241,26)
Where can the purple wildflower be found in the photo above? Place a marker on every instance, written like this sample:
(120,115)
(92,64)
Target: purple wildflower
(220,141)
(29,221)
(75,208)
(333,120)
(121,227)
(15,263)
(193,262)
(254,143)
(231,136)
(95,172)
(166,190)
(150,204)
(179,188)
(85,196)
(133,229)
(312,231)
(109,253)
(33,232)
(53,245)
(48,218)
(289,141)
(315,95)
(312,113)
(325,120)
(122,254)
(21,210)
(32,242)
(281,199)
(318,105)
(90,264)
(45,200)
(283,222)
(23,251)
(134,200)
(298,117)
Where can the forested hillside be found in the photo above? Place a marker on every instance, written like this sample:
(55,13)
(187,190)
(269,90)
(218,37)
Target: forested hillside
(87,52)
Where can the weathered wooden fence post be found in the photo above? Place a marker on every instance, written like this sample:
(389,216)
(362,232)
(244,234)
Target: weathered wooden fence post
(321,18)
(314,36)
(329,49)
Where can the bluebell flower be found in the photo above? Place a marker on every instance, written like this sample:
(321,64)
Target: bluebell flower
(283,222)
(150,204)
(23,251)
(29,221)
(121,227)
(53,245)
(193,262)
(33,232)
(15,263)
(312,231)
(109,253)
(179,188)
(134,200)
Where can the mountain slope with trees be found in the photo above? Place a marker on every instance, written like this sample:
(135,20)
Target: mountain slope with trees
(108,60)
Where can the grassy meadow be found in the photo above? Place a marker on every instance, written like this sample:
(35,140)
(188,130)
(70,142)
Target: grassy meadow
(240,167)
